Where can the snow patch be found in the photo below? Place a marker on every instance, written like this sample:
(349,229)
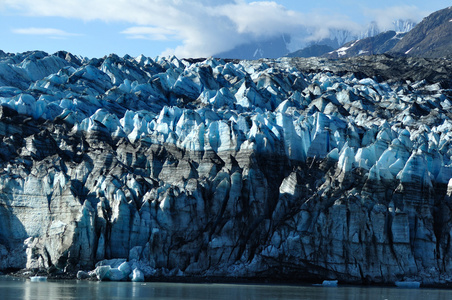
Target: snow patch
(343,51)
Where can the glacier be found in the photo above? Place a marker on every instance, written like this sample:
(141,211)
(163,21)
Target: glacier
(308,169)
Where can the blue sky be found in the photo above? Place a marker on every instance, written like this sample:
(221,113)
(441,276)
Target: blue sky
(186,28)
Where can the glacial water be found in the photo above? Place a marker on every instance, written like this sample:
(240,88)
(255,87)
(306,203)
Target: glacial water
(14,288)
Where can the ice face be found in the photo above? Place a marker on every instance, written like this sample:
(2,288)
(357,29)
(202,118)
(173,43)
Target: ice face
(130,157)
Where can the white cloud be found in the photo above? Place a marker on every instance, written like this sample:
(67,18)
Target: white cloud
(259,18)
(385,17)
(204,27)
(149,33)
(51,32)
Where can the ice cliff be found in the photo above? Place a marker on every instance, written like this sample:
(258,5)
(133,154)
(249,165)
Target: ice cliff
(289,168)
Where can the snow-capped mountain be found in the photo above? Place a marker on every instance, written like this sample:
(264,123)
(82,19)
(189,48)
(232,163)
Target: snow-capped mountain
(284,45)
(373,40)
(430,38)
(290,168)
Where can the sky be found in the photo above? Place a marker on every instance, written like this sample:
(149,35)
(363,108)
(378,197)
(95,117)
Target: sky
(187,28)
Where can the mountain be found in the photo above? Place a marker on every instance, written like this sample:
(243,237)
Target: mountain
(430,38)
(282,45)
(311,51)
(300,169)
(403,25)
(378,44)
(270,48)
(345,44)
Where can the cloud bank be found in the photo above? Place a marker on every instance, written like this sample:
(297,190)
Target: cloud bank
(385,17)
(204,27)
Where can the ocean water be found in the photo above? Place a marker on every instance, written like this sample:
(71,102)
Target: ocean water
(14,288)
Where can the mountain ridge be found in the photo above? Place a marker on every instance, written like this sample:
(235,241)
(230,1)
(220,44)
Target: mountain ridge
(430,39)
(279,46)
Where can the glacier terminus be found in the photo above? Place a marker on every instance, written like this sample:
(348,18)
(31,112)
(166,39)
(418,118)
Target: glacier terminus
(302,168)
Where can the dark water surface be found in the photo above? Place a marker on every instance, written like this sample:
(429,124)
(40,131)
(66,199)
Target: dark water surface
(14,288)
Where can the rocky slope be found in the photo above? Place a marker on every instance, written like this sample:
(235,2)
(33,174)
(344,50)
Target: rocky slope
(311,51)
(378,44)
(292,168)
(430,38)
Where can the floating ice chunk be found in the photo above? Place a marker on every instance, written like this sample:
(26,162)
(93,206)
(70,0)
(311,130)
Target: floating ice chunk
(125,269)
(38,278)
(330,283)
(115,275)
(408,284)
(103,272)
(137,276)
